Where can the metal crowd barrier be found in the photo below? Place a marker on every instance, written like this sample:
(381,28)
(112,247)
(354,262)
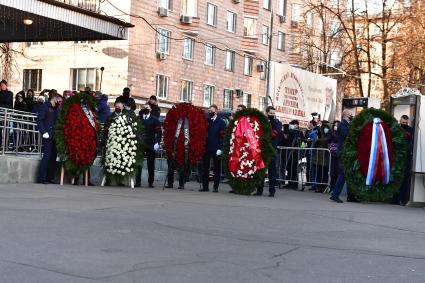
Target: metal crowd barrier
(19,133)
(305,167)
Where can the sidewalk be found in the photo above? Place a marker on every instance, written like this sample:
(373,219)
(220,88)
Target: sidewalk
(76,234)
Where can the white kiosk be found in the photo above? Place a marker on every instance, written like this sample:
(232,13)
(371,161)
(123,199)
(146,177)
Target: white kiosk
(411,102)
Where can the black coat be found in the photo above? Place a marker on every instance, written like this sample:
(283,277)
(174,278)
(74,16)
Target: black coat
(152,133)
(155,111)
(6,99)
(277,133)
(215,133)
(46,119)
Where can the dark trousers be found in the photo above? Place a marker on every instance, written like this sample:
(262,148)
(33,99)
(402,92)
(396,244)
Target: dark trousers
(48,162)
(272,178)
(340,181)
(206,169)
(322,177)
(150,160)
(404,196)
(183,173)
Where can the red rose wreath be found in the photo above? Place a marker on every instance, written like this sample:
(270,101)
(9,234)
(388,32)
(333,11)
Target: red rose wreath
(76,133)
(185,130)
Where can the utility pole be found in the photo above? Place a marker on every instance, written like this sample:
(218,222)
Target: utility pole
(268,97)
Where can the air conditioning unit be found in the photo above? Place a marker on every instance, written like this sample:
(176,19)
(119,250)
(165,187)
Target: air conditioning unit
(236,1)
(282,19)
(186,19)
(294,24)
(261,68)
(239,92)
(163,12)
(161,55)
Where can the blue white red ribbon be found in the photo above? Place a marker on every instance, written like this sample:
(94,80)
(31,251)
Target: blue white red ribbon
(379,162)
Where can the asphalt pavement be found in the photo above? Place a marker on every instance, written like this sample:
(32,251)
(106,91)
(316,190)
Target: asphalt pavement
(76,234)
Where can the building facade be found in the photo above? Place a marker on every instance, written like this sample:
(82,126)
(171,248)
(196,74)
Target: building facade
(205,52)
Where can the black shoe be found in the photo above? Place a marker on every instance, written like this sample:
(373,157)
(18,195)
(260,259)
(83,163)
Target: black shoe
(203,190)
(169,186)
(137,185)
(336,199)
(53,182)
(215,191)
(231,192)
(44,182)
(271,195)
(257,194)
(151,186)
(180,188)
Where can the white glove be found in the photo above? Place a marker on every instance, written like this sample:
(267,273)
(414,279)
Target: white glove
(218,153)
(156,147)
(46,135)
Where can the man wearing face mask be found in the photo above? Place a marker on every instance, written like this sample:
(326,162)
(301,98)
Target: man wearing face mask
(291,157)
(276,140)
(46,121)
(151,140)
(6,96)
(341,135)
(213,150)
(320,158)
(129,103)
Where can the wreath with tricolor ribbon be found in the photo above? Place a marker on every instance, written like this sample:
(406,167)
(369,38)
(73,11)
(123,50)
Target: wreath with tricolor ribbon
(374,156)
(76,133)
(185,133)
(247,150)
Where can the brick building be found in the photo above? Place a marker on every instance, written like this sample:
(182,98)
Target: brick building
(182,50)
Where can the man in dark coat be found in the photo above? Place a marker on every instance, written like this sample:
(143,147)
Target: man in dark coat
(341,135)
(405,185)
(277,136)
(129,102)
(213,150)
(46,121)
(290,157)
(6,96)
(153,102)
(151,140)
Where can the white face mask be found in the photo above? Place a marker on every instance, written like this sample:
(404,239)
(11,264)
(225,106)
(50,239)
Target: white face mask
(335,128)
(292,127)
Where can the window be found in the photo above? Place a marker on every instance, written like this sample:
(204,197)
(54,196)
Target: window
(228,99)
(309,20)
(163,41)
(265,35)
(249,26)
(263,75)
(86,41)
(296,12)
(165,4)
(246,100)
(188,46)
(230,60)
(231,21)
(32,79)
(190,8)
(376,30)
(262,103)
(333,27)
(209,54)
(82,78)
(161,86)
(281,41)
(266,4)
(296,44)
(334,3)
(208,95)
(211,14)
(281,8)
(34,43)
(247,69)
(187,88)
(334,58)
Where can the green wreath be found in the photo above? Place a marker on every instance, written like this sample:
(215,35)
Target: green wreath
(68,159)
(356,182)
(248,186)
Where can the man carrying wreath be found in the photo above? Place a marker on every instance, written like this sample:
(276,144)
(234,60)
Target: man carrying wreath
(277,135)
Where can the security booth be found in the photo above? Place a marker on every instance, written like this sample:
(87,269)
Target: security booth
(357,104)
(411,102)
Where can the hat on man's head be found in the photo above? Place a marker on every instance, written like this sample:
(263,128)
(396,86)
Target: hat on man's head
(3,82)
(126,90)
(153,97)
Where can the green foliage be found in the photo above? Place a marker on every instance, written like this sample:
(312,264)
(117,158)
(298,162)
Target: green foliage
(69,166)
(355,180)
(248,186)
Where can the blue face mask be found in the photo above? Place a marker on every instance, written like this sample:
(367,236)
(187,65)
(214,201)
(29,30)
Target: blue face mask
(291,127)
(326,131)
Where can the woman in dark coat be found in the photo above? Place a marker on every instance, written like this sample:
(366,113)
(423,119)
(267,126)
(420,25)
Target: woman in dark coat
(20,103)
(103,110)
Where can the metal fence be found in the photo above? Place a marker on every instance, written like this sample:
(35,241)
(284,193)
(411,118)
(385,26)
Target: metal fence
(305,167)
(19,133)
